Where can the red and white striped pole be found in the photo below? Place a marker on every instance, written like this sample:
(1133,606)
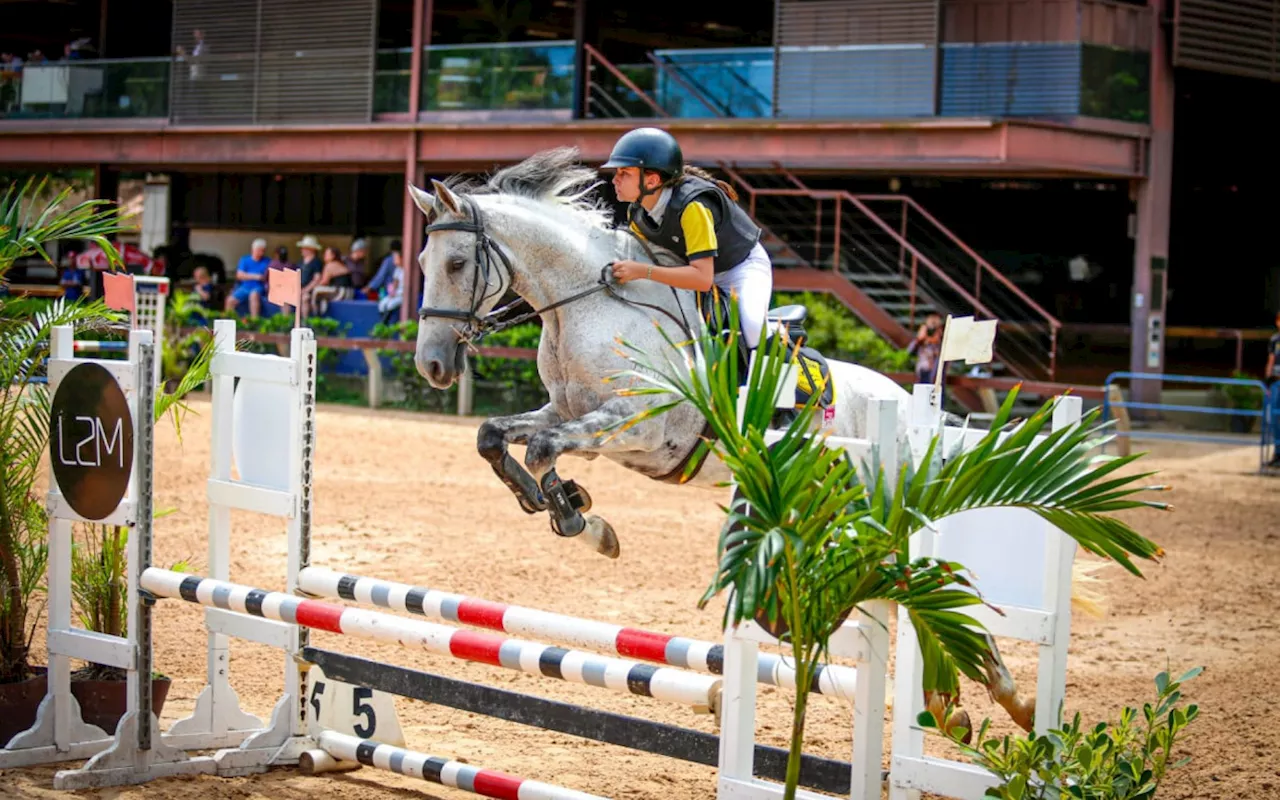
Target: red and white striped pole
(702,692)
(659,648)
(484,782)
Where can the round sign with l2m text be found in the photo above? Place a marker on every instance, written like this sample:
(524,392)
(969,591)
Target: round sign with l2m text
(91,441)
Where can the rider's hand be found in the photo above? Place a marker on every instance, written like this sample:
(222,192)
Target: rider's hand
(627,271)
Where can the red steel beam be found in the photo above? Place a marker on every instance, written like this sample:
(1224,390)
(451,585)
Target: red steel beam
(410,229)
(961,147)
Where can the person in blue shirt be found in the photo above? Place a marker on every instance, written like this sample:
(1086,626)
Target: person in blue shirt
(251,279)
(203,286)
(386,271)
(1271,376)
(72,282)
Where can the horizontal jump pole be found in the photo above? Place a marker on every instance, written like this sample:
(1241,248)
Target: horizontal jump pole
(699,691)
(660,648)
(92,346)
(455,774)
(645,735)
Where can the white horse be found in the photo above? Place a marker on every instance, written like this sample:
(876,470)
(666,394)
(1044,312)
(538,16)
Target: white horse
(531,229)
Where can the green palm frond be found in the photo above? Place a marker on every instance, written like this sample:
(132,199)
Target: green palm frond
(196,374)
(25,229)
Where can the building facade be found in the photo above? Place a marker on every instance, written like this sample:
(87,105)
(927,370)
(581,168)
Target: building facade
(1007,158)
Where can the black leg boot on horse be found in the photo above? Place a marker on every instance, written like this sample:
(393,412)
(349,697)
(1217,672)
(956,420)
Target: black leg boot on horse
(492,444)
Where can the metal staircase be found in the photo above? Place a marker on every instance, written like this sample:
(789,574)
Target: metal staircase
(884,256)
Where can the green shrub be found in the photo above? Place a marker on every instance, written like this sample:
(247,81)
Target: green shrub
(837,333)
(1125,760)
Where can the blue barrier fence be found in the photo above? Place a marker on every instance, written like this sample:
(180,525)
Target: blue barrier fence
(1265,412)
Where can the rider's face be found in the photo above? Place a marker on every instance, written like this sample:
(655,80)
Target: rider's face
(626,183)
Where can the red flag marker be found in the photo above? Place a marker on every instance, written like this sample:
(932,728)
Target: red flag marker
(284,287)
(117,290)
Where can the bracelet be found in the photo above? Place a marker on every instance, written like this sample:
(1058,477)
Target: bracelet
(649,275)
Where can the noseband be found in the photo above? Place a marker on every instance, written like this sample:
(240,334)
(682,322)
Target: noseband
(478,326)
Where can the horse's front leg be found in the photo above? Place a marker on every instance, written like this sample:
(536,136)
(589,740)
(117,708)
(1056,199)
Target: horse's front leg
(586,435)
(492,440)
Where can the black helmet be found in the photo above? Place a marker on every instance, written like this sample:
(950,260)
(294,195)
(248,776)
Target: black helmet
(650,149)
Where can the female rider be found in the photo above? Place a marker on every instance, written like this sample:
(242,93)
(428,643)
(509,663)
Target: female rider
(685,210)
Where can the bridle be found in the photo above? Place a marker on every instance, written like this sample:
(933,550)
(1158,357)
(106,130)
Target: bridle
(477,326)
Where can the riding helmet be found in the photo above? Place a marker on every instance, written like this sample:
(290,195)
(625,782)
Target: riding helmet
(650,149)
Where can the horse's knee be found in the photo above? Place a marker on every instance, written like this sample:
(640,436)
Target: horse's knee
(540,452)
(491,442)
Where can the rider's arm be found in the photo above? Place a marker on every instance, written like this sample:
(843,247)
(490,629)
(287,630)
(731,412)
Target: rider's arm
(699,229)
(697,276)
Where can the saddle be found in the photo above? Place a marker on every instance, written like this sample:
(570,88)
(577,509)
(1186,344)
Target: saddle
(788,323)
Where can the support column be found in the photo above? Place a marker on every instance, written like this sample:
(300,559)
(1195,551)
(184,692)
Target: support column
(1152,200)
(102,30)
(411,220)
(586,30)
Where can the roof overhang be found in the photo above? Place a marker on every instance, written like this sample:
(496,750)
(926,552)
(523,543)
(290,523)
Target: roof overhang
(976,147)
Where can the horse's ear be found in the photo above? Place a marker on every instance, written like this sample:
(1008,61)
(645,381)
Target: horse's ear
(424,201)
(445,200)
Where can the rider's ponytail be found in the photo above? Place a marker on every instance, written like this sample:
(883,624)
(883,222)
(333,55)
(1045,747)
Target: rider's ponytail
(698,172)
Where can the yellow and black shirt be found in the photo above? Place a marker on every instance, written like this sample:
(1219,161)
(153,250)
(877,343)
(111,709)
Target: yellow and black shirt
(699,221)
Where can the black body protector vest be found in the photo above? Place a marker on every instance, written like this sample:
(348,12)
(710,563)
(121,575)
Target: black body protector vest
(736,233)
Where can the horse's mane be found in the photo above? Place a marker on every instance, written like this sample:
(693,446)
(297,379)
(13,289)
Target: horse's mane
(555,177)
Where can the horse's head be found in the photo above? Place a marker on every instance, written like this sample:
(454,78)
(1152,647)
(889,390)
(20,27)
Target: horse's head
(464,275)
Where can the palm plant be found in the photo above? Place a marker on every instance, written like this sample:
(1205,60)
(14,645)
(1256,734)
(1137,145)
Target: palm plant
(809,537)
(26,228)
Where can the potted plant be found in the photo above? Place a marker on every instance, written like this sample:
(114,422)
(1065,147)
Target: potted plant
(28,222)
(99,577)
(1122,760)
(808,538)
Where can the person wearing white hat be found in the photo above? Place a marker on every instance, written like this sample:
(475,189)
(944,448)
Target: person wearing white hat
(311,263)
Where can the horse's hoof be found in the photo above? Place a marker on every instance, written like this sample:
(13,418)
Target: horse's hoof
(600,535)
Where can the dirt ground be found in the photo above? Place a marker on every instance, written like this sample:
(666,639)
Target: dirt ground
(405,497)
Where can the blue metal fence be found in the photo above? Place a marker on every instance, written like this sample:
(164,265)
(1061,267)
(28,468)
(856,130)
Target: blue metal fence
(1264,412)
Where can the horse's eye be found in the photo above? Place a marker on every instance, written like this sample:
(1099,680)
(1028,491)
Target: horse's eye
(456,264)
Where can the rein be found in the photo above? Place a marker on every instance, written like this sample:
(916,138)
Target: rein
(478,326)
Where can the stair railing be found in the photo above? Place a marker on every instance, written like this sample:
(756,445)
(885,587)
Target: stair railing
(595,58)
(982,268)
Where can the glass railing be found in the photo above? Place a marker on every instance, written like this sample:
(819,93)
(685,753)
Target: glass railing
(1115,83)
(493,77)
(721,82)
(391,81)
(478,77)
(137,87)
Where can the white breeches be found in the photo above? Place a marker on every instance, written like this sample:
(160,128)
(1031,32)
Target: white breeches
(752,280)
